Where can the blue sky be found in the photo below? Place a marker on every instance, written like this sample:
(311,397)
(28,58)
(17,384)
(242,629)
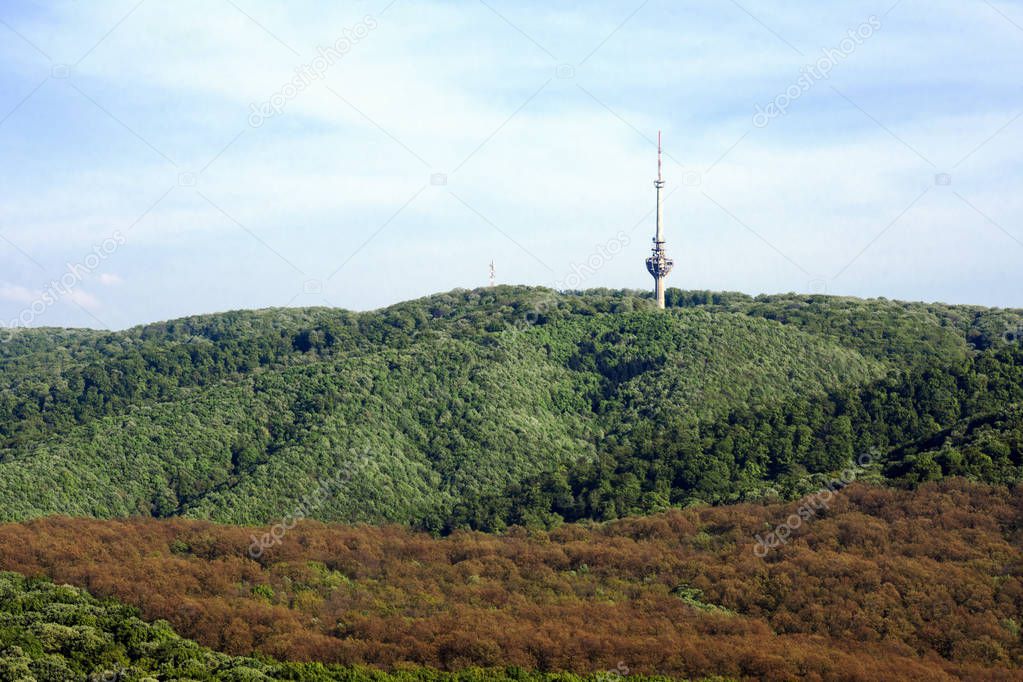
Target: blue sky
(442,135)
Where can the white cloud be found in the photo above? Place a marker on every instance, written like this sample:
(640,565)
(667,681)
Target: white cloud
(109,279)
(84,299)
(560,175)
(17,294)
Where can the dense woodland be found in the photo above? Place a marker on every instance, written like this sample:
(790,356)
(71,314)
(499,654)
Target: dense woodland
(57,633)
(879,584)
(537,416)
(505,406)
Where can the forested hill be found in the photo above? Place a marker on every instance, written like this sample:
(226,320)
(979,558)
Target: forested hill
(505,405)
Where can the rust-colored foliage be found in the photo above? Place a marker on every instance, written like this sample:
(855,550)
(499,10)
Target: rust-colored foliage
(883,584)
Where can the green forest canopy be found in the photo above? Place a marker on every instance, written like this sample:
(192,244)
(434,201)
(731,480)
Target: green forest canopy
(507,405)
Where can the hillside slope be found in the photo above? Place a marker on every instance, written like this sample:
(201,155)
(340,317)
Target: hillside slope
(878,584)
(499,406)
(58,632)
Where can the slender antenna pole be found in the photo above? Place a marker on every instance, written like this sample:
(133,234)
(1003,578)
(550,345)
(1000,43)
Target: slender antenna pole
(658,154)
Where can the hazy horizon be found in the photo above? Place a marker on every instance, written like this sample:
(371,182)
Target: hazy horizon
(225,311)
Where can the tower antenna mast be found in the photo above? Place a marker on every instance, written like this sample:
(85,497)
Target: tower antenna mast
(658,264)
(659,157)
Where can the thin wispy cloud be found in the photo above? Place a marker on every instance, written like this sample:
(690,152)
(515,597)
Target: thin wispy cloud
(17,294)
(551,144)
(109,279)
(84,299)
